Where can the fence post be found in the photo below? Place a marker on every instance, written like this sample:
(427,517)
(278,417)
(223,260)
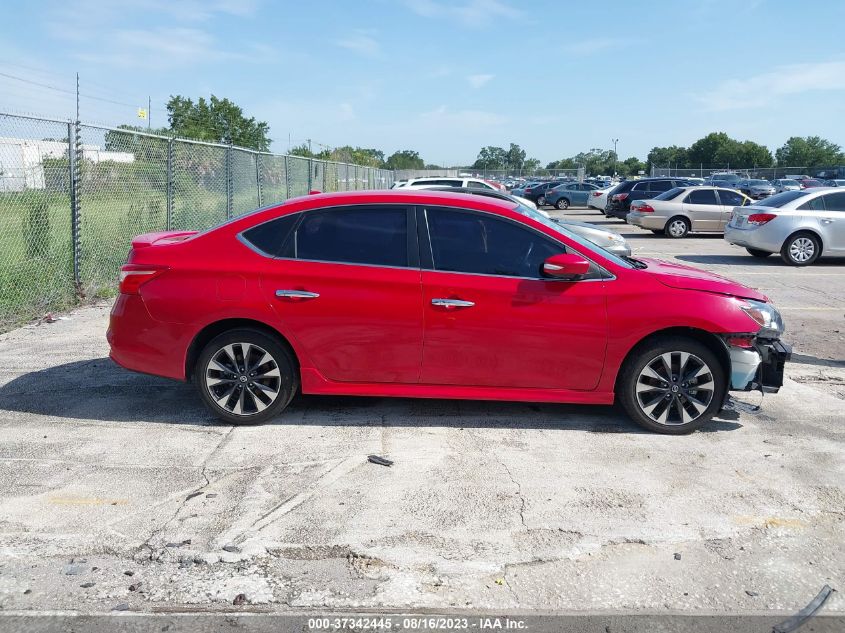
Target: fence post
(310,169)
(287,178)
(258,178)
(325,165)
(73,151)
(170,187)
(229,192)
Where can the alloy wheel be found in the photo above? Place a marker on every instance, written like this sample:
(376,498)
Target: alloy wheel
(802,249)
(677,228)
(243,378)
(675,388)
(541,201)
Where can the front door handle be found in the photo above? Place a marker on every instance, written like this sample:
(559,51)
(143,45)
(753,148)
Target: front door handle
(297,294)
(827,220)
(451,304)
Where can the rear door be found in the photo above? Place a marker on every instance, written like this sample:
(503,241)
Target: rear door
(832,222)
(346,286)
(703,210)
(491,320)
(728,199)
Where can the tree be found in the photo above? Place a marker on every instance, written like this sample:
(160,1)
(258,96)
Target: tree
(563,163)
(515,157)
(631,166)
(531,165)
(491,157)
(668,156)
(404,159)
(216,120)
(755,155)
(811,151)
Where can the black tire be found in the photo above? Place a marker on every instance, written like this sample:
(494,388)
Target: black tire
(250,389)
(758,253)
(793,253)
(562,204)
(677,228)
(541,201)
(648,353)
(657,231)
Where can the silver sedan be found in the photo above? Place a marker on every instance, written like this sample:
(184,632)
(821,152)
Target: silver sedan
(683,210)
(800,225)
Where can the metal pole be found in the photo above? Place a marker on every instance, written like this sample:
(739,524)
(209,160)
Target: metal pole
(73,164)
(310,170)
(229,192)
(287,179)
(170,188)
(325,165)
(258,179)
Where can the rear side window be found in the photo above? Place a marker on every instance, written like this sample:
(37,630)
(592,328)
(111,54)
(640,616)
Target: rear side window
(369,236)
(701,196)
(477,243)
(474,184)
(815,204)
(660,185)
(640,186)
(835,201)
(270,237)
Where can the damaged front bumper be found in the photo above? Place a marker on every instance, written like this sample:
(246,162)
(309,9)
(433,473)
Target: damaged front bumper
(760,366)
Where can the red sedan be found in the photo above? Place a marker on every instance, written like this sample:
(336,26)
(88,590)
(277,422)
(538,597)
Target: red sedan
(435,295)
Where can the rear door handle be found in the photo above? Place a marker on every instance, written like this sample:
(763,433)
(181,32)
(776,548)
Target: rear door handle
(297,294)
(827,220)
(450,304)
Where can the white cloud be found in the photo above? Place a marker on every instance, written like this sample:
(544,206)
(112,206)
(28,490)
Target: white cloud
(362,43)
(592,46)
(463,119)
(472,13)
(761,90)
(165,47)
(476,81)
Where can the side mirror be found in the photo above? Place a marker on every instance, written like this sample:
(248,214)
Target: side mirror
(566,266)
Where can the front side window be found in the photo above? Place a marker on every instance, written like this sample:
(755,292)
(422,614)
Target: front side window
(361,235)
(475,184)
(660,185)
(469,242)
(731,198)
(640,186)
(701,196)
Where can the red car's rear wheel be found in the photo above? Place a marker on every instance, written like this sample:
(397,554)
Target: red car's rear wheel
(245,376)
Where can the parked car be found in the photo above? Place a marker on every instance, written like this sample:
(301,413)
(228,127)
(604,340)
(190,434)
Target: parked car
(685,210)
(727,177)
(536,191)
(620,198)
(520,189)
(785,184)
(608,240)
(598,198)
(436,295)
(836,182)
(800,225)
(809,183)
(569,194)
(501,195)
(443,181)
(757,189)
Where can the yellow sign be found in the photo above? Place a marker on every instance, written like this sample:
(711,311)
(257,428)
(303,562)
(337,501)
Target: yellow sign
(142,113)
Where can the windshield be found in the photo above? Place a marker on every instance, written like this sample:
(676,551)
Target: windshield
(559,228)
(791,183)
(669,195)
(780,199)
(759,183)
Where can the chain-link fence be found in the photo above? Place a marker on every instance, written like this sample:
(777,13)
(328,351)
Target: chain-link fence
(765,173)
(72,197)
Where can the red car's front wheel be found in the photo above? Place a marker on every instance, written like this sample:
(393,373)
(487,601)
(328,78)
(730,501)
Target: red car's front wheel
(245,376)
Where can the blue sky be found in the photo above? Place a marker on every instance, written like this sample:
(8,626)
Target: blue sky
(445,77)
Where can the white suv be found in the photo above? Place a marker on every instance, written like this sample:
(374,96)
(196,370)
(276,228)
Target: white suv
(446,181)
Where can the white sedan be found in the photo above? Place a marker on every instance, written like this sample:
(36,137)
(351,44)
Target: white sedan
(598,198)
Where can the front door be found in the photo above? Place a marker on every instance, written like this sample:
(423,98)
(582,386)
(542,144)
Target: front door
(492,320)
(729,200)
(703,210)
(347,289)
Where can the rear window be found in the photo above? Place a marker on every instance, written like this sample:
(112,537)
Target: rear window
(780,199)
(269,237)
(758,182)
(669,195)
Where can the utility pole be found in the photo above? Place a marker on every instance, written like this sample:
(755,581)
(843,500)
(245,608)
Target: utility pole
(615,157)
(149,112)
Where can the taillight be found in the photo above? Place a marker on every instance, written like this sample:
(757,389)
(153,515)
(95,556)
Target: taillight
(645,208)
(596,194)
(133,276)
(759,219)
(620,196)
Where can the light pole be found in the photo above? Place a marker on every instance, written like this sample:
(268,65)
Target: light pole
(614,141)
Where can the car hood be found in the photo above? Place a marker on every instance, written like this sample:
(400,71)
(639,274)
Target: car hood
(689,278)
